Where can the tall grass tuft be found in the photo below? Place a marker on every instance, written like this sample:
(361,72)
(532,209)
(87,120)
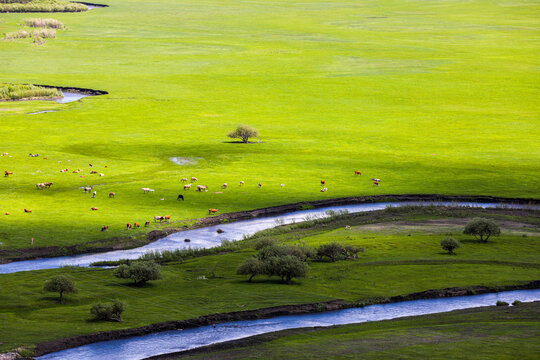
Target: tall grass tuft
(44,23)
(21,92)
(36,34)
(23,6)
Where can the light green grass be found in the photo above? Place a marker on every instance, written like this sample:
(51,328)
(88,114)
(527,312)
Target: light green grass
(392,265)
(482,333)
(431,97)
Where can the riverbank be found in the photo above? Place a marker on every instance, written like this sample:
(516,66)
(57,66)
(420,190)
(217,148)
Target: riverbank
(264,313)
(486,332)
(122,243)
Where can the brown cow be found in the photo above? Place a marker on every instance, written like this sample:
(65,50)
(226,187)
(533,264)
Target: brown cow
(212,211)
(323,182)
(94,208)
(27,211)
(224,186)
(93,172)
(7,173)
(147,224)
(136,225)
(193,178)
(111,194)
(6,213)
(105,228)
(357,173)
(168,218)
(260,185)
(128,226)
(48,184)
(376,183)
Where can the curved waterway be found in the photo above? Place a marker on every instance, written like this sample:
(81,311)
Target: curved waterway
(141,347)
(208,237)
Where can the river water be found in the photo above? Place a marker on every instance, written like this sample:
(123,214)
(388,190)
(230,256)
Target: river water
(141,347)
(208,237)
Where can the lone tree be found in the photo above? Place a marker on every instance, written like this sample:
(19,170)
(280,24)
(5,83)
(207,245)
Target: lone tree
(139,271)
(482,228)
(108,311)
(60,284)
(450,244)
(244,132)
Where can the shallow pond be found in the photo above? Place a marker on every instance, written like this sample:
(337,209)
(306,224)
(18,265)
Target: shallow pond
(141,347)
(70,97)
(208,237)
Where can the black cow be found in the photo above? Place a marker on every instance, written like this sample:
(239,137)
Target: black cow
(180,197)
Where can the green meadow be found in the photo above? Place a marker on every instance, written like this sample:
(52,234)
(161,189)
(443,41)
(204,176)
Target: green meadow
(402,255)
(430,97)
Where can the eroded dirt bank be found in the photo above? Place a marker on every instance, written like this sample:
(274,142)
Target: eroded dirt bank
(62,344)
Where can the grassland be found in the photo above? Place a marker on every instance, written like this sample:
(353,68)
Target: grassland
(481,333)
(431,97)
(511,259)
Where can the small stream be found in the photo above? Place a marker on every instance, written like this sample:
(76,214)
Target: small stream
(141,347)
(208,237)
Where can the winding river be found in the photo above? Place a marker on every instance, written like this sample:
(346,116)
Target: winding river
(141,347)
(209,237)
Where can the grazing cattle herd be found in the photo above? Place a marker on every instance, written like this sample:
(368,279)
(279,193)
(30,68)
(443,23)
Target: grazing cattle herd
(146,190)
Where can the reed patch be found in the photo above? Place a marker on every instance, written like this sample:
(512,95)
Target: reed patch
(24,6)
(43,23)
(26,92)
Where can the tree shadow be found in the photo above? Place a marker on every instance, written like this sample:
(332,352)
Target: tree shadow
(241,142)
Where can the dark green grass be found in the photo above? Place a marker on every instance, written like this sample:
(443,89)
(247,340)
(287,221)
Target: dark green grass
(481,333)
(393,264)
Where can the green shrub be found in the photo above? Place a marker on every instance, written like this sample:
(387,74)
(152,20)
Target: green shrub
(264,242)
(333,251)
(139,271)
(502,303)
(108,311)
(517,303)
(482,229)
(450,244)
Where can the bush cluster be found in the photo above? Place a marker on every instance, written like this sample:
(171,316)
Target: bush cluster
(286,262)
(139,271)
(335,251)
(108,311)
